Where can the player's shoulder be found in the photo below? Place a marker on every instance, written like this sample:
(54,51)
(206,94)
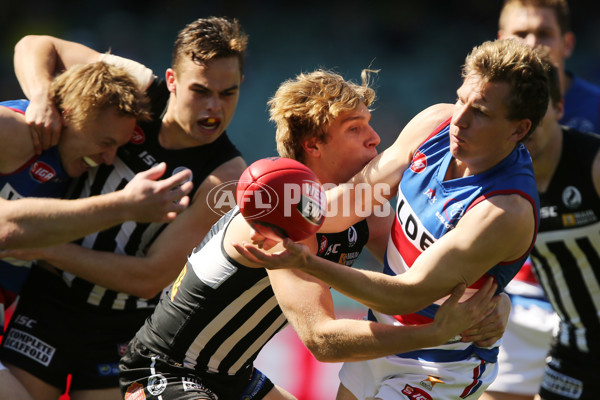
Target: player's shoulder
(15,135)
(223,178)
(230,169)
(424,123)
(435,115)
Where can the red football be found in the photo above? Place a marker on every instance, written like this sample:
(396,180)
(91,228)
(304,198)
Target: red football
(281,197)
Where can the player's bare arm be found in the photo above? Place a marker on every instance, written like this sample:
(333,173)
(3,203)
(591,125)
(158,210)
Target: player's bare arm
(37,222)
(308,305)
(165,258)
(37,59)
(496,230)
(385,169)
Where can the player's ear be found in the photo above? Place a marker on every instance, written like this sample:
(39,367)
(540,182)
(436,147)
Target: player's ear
(560,109)
(170,78)
(521,130)
(311,147)
(568,44)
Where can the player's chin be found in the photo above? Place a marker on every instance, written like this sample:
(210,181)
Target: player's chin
(75,170)
(205,135)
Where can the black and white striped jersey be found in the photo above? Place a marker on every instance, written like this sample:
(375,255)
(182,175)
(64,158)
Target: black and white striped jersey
(218,314)
(131,238)
(566,255)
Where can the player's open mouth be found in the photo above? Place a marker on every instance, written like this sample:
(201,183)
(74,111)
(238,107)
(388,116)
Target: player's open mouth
(89,162)
(209,123)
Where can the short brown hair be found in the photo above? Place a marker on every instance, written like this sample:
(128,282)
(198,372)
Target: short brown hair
(513,62)
(210,38)
(559,7)
(82,92)
(305,106)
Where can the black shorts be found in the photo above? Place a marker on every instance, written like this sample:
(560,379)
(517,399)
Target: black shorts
(53,334)
(570,375)
(145,374)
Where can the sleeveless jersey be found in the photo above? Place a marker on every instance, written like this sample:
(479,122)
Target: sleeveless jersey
(581,112)
(566,255)
(218,314)
(41,176)
(429,206)
(131,238)
(582,106)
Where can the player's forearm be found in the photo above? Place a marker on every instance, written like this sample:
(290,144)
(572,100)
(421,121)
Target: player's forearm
(383,293)
(35,62)
(39,222)
(354,340)
(128,274)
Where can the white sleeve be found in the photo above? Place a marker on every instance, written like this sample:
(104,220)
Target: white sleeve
(143,75)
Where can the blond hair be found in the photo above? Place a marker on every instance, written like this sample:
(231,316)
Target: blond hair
(304,107)
(210,38)
(513,62)
(81,93)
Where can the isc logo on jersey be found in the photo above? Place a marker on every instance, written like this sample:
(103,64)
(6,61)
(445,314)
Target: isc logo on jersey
(41,172)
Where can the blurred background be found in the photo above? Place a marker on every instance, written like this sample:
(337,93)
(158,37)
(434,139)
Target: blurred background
(418,46)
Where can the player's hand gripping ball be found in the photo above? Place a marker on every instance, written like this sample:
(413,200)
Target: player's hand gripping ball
(280,197)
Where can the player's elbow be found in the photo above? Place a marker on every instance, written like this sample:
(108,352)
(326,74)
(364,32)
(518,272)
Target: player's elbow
(323,351)
(26,42)
(146,286)
(322,346)
(10,238)
(148,289)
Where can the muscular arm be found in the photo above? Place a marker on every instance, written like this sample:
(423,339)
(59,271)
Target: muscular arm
(37,59)
(146,276)
(308,306)
(382,174)
(39,222)
(31,222)
(498,229)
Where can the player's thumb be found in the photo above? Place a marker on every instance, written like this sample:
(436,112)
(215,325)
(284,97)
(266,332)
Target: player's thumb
(457,292)
(156,171)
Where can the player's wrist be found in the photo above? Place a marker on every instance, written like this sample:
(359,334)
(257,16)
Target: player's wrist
(121,206)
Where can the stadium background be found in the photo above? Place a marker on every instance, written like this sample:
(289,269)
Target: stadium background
(418,46)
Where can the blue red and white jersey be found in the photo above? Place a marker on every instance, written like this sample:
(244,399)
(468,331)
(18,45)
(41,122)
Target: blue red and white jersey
(429,206)
(41,176)
(582,106)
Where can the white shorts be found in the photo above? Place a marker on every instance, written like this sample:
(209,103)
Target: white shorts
(392,378)
(524,348)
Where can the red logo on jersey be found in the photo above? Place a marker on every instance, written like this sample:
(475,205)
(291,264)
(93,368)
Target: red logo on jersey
(137,137)
(323,245)
(415,393)
(419,162)
(42,172)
